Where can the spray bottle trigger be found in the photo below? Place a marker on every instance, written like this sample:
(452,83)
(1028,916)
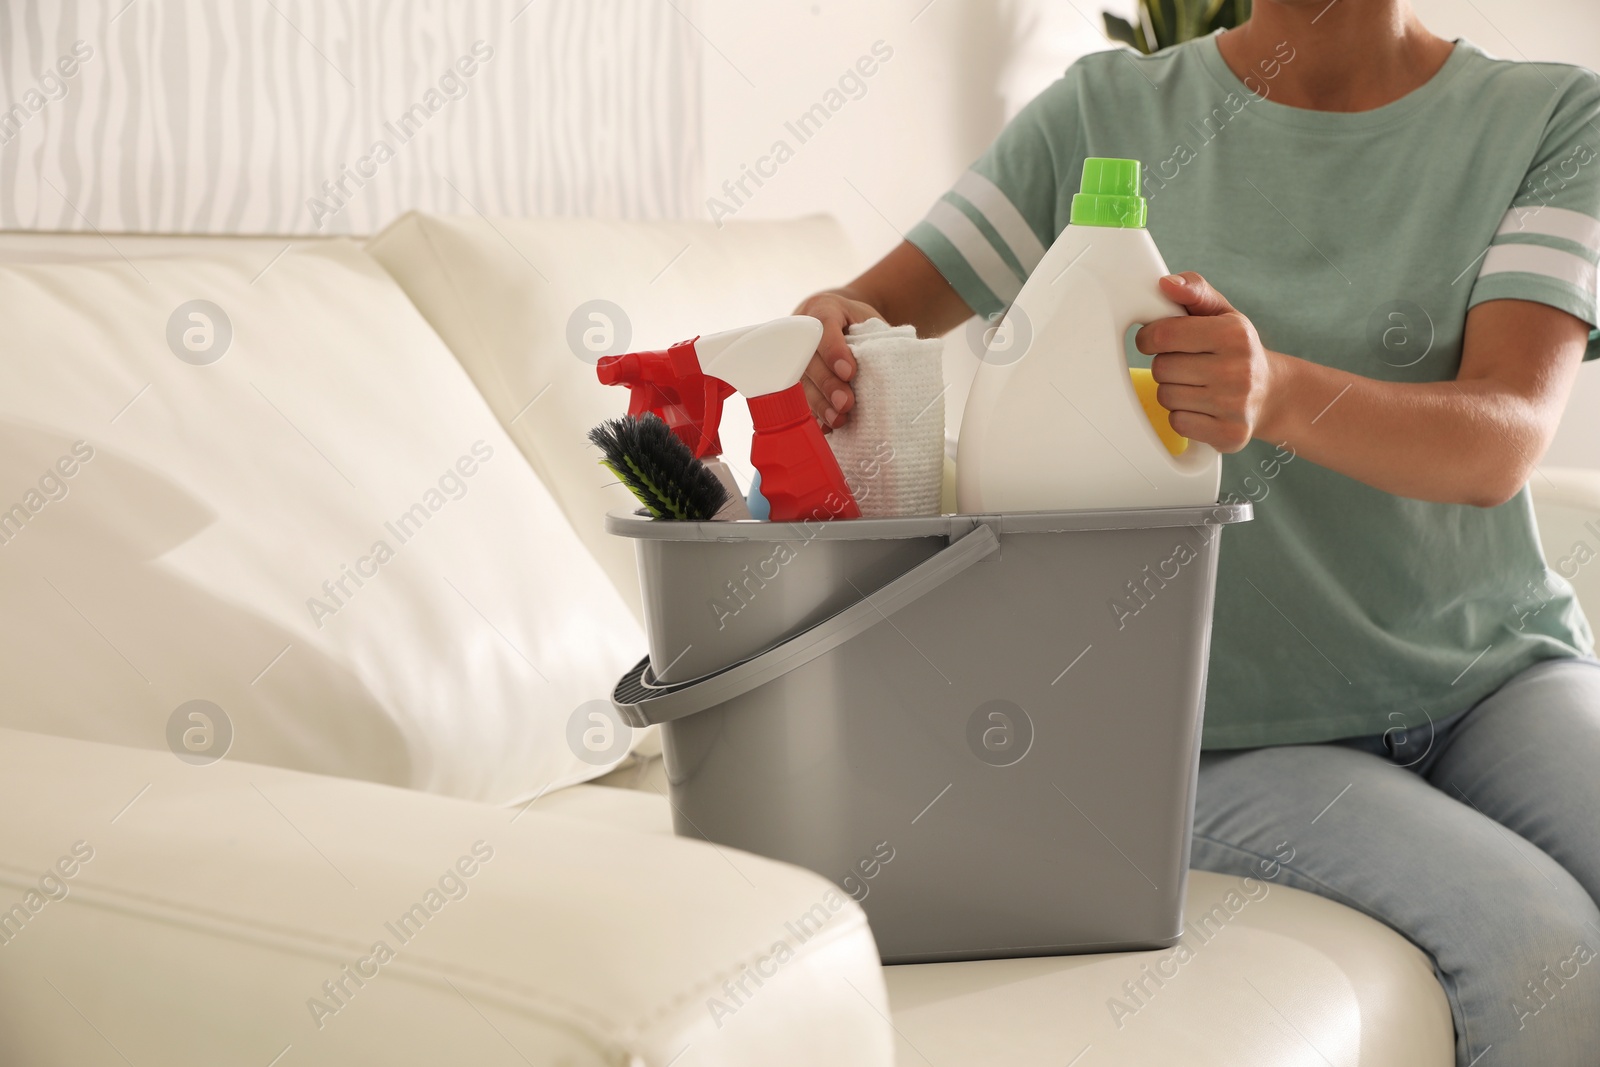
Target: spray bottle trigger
(709,442)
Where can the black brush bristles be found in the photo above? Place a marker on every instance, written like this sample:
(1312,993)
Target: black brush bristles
(658,468)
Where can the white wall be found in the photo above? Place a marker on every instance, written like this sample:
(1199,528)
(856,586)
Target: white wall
(229,116)
(1562,31)
(883,159)
(960,68)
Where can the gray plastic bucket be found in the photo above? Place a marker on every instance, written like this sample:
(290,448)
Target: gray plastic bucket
(984,728)
(716,594)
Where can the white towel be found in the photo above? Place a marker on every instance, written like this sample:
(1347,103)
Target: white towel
(892,448)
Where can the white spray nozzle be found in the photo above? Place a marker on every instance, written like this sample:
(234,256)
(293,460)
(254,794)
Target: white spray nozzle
(762,359)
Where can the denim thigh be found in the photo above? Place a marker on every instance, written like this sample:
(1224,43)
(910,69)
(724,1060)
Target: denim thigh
(1512,933)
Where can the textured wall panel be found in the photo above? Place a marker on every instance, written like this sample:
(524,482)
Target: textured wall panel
(333,116)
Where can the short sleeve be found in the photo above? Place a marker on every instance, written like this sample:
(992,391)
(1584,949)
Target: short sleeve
(988,233)
(1547,248)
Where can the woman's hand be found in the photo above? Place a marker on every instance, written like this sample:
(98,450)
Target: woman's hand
(832,368)
(1472,439)
(1211,370)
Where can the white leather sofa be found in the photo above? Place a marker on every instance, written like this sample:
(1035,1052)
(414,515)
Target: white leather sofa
(304,907)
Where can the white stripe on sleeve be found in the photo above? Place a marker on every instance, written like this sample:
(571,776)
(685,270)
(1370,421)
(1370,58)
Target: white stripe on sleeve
(975,249)
(1003,215)
(1537,259)
(1573,226)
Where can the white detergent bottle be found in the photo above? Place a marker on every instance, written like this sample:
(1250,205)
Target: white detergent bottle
(1055,420)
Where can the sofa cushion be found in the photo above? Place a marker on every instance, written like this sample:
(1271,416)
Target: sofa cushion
(529,305)
(239,914)
(1265,975)
(265,484)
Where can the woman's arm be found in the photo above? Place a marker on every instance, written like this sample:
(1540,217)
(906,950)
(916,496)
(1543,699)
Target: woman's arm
(901,288)
(1473,440)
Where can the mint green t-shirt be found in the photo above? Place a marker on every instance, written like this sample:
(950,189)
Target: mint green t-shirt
(1358,241)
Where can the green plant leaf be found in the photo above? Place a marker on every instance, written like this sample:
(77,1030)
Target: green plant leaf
(1163,23)
(1120,29)
(1183,24)
(1227,15)
(1161,17)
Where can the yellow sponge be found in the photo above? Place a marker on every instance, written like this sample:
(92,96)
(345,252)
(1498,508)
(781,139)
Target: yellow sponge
(1145,386)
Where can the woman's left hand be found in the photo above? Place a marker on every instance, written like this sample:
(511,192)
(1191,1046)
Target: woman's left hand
(1212,372)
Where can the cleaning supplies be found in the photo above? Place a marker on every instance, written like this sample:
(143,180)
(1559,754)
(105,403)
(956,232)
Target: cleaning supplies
(659,468)
(735,507)
(670,385)
(1063,426)
(892,447)
(687,383)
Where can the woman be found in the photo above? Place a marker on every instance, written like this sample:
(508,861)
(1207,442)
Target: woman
(1388,245)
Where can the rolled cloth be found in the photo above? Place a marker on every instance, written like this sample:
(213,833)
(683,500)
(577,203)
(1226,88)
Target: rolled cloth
(892,447)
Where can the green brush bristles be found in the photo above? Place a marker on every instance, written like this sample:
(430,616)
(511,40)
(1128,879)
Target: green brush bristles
(658,468)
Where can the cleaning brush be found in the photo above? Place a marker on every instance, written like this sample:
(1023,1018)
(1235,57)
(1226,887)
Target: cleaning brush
(658,468)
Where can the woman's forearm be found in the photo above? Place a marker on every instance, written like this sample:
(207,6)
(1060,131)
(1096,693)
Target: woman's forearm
(907,289)
(1454,442)
(1473,439)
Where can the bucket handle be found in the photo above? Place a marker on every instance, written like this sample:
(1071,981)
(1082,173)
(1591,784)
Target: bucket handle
(675,702)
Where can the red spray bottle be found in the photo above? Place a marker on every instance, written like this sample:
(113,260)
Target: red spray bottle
(686,384)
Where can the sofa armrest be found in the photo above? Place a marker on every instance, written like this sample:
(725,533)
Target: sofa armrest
(1567,502)
(158,912)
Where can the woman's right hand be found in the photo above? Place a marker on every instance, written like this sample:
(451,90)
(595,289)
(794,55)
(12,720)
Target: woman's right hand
(827,378)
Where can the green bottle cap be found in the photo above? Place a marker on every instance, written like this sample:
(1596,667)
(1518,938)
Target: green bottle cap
(1110,195)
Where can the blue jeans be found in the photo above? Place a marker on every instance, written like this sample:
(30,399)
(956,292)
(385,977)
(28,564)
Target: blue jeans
(1478,839)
